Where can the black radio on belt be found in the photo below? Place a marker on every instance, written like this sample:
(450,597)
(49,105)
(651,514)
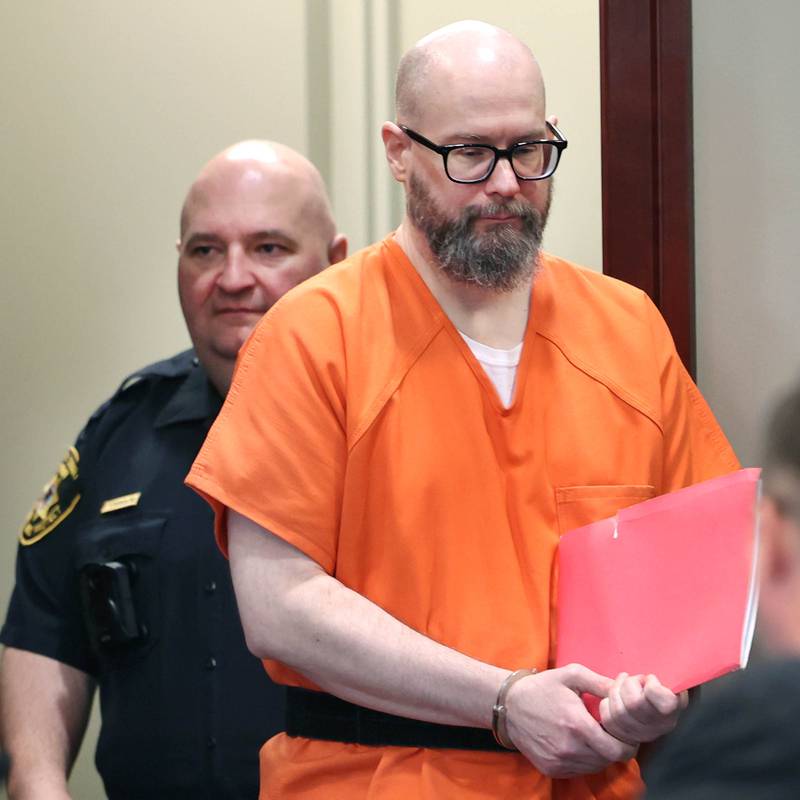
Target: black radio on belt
(108,607)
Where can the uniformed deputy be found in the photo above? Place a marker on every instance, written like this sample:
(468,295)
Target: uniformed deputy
(119,581)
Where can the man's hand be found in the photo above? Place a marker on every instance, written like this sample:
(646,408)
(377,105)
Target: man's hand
(640,708)
(550,725)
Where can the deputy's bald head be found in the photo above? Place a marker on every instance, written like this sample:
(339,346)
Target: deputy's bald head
(255,223)
(257,160)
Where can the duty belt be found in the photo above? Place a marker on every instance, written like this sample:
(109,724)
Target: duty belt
(316,715)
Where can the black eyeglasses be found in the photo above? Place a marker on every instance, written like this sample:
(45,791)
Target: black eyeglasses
(472,163)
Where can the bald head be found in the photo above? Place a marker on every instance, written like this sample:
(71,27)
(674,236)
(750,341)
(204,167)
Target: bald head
(255,223)
(261,160)
(457,56)
(470,215)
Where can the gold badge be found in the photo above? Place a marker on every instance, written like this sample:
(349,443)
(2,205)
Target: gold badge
(118,503)
(58,500)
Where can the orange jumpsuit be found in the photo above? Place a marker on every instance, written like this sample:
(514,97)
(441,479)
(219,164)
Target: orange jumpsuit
(361,429)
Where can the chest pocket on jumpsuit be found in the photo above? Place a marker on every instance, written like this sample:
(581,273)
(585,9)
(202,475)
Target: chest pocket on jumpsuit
(116,562)
(581,505)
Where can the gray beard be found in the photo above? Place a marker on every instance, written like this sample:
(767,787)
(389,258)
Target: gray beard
(502,258)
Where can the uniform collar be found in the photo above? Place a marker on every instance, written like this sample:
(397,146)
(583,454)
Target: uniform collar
(195,399)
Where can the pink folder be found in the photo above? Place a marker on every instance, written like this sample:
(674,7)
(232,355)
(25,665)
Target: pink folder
(667,586)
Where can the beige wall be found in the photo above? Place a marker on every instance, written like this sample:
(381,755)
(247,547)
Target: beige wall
(110,108)
(747,208)
(108,111)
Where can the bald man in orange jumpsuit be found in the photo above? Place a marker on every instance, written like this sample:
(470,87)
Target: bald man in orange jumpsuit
(407,436)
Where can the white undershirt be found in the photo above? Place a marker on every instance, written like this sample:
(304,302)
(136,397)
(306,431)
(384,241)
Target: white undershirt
(499,365)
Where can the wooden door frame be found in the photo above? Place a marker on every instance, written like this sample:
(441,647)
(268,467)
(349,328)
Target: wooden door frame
(647,152)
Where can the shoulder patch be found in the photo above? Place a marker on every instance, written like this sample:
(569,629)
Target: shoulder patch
(58,500)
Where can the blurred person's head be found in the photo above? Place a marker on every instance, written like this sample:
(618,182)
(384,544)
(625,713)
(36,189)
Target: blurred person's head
(779,560)
(740,742)
(255,223)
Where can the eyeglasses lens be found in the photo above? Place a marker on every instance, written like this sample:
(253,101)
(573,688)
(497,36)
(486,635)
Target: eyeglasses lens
(475,163)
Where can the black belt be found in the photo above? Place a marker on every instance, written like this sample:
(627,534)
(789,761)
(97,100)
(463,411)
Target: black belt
(316,715)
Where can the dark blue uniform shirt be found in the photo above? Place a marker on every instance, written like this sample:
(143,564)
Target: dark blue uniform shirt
(185,707)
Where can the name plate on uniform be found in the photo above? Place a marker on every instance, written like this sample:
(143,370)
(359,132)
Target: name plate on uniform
(118,503)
